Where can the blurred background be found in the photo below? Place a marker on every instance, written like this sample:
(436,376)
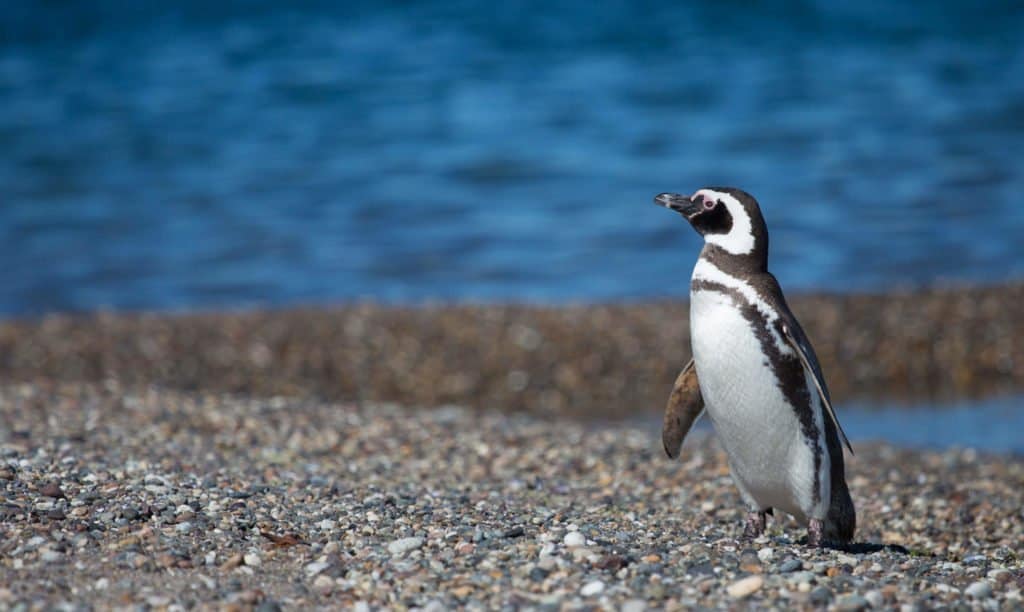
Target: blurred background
(244,156)
(196,155)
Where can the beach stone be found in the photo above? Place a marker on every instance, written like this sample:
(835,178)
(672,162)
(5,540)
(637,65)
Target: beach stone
(48,555)
(633,605)
(52,489)
(404,545)
(323,582)
(852,603)
(875,598)
(573,539)
(790,565)
(820,595)
(314,568)
(766,554)
(979,590)
(252,559)
(595,587)
(745,587)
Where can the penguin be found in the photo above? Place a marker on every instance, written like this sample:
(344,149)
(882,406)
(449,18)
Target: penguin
(755,374)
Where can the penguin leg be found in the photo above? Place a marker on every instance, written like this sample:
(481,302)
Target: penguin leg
(815,533)
(757,516)
(755,523)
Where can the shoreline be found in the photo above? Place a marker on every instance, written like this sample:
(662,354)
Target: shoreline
(591,361)
(163,498)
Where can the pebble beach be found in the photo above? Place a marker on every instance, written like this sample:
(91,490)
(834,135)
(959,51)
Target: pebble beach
(160,499)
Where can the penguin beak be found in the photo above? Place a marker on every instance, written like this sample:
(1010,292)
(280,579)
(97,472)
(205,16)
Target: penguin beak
(679,203)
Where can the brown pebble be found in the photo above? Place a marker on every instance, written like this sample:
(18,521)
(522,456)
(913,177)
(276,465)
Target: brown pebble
(232,562)
(52,489)
(611,563)
(832,572)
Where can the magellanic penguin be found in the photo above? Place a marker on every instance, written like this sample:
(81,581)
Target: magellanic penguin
(758,377)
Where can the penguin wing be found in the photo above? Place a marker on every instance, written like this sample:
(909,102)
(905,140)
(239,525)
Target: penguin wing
(684,407)
(798,340)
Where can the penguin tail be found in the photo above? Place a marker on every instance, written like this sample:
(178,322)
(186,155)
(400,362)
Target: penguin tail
(841,521)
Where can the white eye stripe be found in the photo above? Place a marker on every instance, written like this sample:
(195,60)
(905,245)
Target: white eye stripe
(740,239)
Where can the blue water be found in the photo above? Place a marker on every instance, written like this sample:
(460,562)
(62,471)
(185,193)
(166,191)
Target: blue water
(993,424)
(179,155)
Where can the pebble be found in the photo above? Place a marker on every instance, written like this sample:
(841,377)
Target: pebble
(592,588)
(558,506)
(791,565)
(851,603)
(875,598)
(252,559)
(820,595)
(633,605)
(323,582)
(404,545)
(52,489)
(979,590)
(745,587)
(314,568)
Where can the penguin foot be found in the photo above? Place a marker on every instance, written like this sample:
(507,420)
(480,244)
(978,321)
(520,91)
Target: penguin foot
(815,533)
(755,524)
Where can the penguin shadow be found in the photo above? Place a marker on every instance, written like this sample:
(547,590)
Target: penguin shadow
(863,548)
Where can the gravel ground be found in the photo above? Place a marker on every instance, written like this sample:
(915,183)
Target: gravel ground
(168,499)
(607,360)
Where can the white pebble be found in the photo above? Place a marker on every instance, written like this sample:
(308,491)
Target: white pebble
(574,539)
(766,554)
(592,588)
(875,598)
(323,583)
(252,559)
(183,527)
(404,545)
(326,525)
(745,587)
(314,568)
(634,605)
(979,590)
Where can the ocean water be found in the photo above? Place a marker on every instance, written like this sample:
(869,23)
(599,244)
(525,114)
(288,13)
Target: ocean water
(993,424)
(184,155)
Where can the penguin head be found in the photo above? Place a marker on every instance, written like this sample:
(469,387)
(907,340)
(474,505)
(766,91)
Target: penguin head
(726,217)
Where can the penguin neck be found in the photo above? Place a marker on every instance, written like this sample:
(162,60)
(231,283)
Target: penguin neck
(745,265)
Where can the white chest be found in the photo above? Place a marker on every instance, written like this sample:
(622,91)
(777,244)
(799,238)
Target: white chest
(755,424)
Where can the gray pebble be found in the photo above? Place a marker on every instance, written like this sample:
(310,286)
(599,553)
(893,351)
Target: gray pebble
(852,603)
(820,595)
(790,565)
(404,545)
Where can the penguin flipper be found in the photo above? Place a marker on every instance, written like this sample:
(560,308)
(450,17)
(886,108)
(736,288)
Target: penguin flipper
(802,349)
(684,407)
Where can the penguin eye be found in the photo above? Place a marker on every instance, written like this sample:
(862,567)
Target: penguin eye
(709,203)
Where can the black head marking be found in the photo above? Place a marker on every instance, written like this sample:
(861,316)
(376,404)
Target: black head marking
(712,216)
